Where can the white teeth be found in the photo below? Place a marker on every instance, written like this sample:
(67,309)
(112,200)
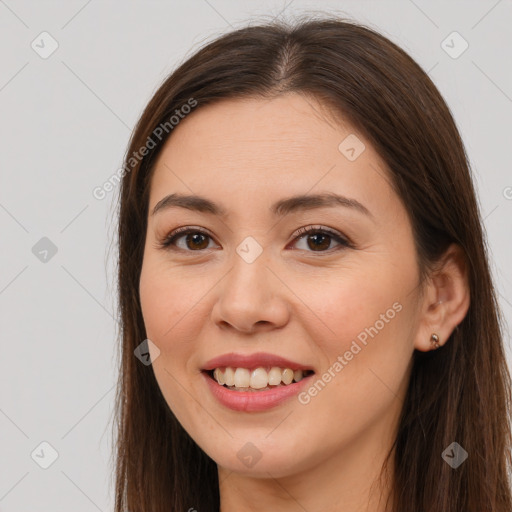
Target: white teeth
(242,377)
(258,378)
(229,376)
(287,376)
(274,376)
(219,376)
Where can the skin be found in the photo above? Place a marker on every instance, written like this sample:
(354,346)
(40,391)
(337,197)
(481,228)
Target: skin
(306,305)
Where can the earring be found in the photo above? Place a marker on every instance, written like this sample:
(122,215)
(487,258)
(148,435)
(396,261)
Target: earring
(434,338)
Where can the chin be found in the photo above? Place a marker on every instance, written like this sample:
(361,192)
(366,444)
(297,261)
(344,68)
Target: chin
(260,459)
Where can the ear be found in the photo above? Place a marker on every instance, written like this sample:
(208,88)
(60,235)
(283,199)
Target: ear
(445,300)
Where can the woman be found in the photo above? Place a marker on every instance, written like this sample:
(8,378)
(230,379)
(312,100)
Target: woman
(301,260)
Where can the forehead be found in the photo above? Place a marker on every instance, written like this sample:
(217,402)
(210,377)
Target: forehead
(238,149)
(289,126)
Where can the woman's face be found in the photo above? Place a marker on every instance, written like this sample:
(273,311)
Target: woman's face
(250,283)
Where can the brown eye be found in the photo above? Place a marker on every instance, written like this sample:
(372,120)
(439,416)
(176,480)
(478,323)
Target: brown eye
(317,239)
(194,239)
(320,239)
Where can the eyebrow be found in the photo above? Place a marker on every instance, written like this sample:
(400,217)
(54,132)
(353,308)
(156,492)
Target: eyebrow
(280,208)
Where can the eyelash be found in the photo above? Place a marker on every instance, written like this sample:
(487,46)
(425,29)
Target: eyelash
(171,238)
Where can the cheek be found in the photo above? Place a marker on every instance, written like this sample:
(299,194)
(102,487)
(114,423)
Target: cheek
(349,302)
(170,319)
(174,313)
(370,346)
(365,353)
(366,318)
(155,296)
(167,303)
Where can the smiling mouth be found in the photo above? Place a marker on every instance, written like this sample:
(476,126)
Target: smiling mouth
(288,377)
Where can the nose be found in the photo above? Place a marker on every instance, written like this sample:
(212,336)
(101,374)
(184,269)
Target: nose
(251,298)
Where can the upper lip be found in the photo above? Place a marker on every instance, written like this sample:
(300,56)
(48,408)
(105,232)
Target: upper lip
(253,361)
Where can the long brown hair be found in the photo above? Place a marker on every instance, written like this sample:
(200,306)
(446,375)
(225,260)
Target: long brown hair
(459,393)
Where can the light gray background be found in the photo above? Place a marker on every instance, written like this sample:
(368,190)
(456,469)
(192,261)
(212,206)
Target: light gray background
(65,123)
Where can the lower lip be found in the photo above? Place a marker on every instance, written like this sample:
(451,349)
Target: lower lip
(254,401)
